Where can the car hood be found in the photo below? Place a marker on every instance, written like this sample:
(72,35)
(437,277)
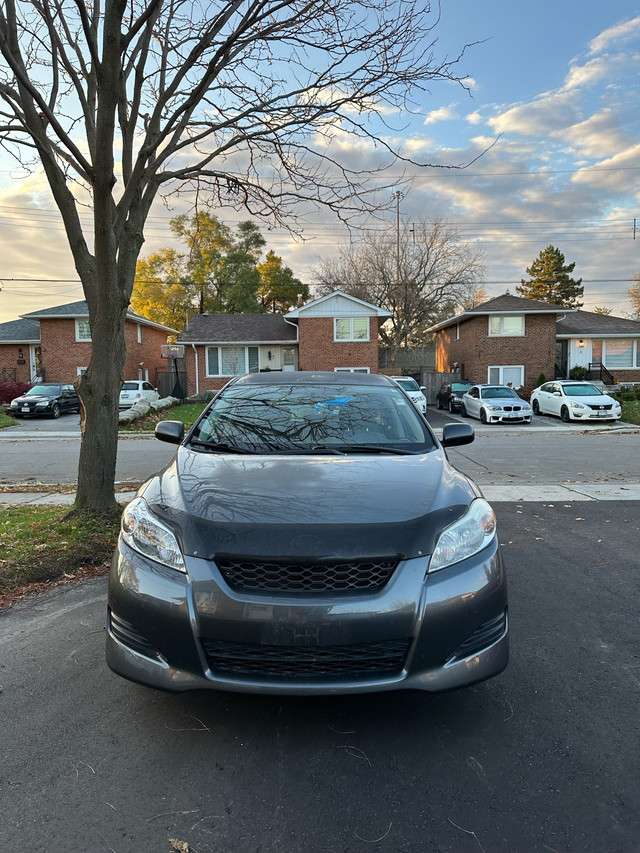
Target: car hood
(313,507)
(35,398)
(504,401)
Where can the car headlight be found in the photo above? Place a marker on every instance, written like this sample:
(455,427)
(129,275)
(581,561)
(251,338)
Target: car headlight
(575,405)
(494,408)
(465,537)
(149,536)
(14,404)
(42,404)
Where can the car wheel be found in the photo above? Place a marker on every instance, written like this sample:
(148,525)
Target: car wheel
(564,414)
(55,411)
(440,406)
(463,411)
(535,407)
(452,407)
(483,416)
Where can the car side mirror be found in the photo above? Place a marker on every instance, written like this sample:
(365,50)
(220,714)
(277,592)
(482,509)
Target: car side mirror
(170,431)
(454,435)
(423,388)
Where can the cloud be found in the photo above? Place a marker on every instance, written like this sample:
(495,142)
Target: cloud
(551,112)
(617,34)
(598,136)
(441,114)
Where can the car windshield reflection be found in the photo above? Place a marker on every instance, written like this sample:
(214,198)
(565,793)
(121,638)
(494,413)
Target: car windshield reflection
(313,418)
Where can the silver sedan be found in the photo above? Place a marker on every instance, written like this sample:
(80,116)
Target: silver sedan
(495,404)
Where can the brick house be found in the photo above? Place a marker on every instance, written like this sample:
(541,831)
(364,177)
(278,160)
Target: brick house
(514,340)
(333,332)
(55,344)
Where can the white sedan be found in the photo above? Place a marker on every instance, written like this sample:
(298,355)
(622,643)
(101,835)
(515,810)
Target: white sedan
(574,401)
(495,404)
(134,390)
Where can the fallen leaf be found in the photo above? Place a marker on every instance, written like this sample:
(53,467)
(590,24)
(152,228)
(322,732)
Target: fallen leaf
(180,846)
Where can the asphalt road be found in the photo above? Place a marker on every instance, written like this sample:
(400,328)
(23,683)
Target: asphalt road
(542,758)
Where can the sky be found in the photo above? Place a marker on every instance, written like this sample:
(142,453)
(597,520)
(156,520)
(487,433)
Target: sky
(552,98)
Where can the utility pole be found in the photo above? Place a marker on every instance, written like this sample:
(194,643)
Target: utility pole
(398,195)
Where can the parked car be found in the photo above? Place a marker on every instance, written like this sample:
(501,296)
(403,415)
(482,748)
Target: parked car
(47,398)
(413,391)
(450,394)
(572,400)
(136,389)
(495,404)
(309,536)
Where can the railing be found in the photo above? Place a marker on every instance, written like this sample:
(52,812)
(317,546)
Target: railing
(598,371)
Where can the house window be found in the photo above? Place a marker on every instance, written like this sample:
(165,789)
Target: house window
(232,361)
(351,329)
(139,333)
(351,370)
(619,353)
(81,370)
(507,375)
(83,330)
(506,327)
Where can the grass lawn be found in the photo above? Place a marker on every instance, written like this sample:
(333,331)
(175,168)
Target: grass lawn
(5,420)
(631,411)
(187,414)
(44,545)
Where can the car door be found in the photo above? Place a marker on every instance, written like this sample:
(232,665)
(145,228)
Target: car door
(553,399)
(472,401)
(68,399)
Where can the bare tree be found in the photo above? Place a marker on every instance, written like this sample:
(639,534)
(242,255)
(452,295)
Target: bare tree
(418,273)
(243,101)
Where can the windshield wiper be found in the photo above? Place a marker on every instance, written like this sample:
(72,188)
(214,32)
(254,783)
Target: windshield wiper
(218,446)
(374,448)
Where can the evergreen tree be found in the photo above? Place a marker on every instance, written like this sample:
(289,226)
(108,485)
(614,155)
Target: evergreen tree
(550,280)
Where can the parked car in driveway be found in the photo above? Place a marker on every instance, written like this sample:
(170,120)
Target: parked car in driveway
(495,404)
(574,400)
(309,536)
(48,398)
(413,391)
(450,394)
(136,389)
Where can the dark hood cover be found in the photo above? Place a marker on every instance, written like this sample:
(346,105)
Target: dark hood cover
(313,507)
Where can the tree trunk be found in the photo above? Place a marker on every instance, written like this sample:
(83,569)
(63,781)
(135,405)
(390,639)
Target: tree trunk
(100,391)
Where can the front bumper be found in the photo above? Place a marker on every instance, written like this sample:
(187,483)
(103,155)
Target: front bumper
(508,418)
(180,632)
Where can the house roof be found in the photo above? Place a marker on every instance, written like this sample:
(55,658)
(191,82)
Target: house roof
(20,332)
(338,303)
(589,324)
(81,309)
(238,329)
(504,304)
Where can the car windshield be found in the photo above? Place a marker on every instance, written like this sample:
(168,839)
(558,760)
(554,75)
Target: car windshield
(408,384)
(583,390)
(497,392)
(129,386)
(43,390)
(461,386)
(312,418)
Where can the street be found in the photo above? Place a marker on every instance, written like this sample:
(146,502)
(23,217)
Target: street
(542,758)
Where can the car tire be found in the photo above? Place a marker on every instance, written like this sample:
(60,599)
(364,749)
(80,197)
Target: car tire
(463,411)
(452,407)
(536,407)
(440,406)
(564,414)
(483,416)
(55,410)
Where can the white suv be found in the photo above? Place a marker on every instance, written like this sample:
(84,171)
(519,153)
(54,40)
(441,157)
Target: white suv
(413,391)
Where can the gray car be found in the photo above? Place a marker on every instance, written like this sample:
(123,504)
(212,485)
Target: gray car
(309,536)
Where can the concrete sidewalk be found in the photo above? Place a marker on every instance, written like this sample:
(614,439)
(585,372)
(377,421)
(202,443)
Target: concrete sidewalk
(527,493)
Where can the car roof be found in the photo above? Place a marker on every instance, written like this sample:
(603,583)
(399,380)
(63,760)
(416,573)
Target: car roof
(311,377)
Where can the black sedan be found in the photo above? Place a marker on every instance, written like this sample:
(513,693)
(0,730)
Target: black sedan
(51,399)
(450,395)
(309,536)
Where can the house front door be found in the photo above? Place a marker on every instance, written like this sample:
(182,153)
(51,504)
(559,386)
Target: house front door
(562,363)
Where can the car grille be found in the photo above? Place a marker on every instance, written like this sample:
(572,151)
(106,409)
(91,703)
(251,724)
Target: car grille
(489,632)
(598,408)
(306,662)
(512,408)
(369,575)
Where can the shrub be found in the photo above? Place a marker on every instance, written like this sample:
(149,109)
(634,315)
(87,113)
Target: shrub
(541,380)
(10,390)
(578,372)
